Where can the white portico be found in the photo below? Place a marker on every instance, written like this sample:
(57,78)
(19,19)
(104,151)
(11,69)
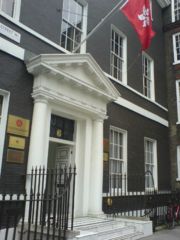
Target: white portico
(72,87)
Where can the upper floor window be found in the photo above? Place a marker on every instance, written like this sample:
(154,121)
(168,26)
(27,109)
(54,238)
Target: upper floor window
(118,55)
(176,47)
(148,76)
(11,7)
(118,155)
(178,99)
(150,152)
(175,10)
(74,23)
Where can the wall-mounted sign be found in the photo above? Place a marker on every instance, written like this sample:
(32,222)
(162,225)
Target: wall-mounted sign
(18,126)
(15,156)
(16,142)
(10,33)
(105,156)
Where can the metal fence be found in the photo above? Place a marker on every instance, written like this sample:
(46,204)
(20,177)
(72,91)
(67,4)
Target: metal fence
(45,211)
(133,196)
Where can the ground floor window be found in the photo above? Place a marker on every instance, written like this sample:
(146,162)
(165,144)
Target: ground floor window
(150,152)
(178,163)
(4,103)
(118,155)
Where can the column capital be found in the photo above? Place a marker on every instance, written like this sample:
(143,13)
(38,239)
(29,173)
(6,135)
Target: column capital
(40,98)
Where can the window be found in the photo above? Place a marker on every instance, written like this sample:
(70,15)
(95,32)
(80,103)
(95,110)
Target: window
(11,7)
(176,47)
(178,163)
(175,10)
(74,23)
(178,99)
(150,152)
(4,103)
(118,55)
(148,76)
(118,155)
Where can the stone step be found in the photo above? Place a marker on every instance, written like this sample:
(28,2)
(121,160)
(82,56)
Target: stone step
(88,221)
(114,233)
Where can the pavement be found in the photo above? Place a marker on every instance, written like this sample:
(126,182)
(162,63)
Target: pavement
(165,234)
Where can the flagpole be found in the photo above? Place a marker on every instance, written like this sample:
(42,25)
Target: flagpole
(119,5)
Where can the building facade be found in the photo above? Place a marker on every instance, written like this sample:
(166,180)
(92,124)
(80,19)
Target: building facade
(58,107)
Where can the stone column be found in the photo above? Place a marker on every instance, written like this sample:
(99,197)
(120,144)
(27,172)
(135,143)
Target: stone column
(96,174)
(38,140)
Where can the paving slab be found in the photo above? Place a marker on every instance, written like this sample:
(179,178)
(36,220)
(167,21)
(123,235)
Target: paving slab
(165,234)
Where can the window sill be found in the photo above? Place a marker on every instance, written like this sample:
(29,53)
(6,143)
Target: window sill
(176,62)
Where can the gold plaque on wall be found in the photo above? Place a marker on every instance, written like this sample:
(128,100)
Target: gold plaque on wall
(18,126)
(105,156)
(15,156)
(16,142)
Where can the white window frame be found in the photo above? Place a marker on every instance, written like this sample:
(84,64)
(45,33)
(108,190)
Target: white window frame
(178,163)
(84,24)
(124,68)
(3,122)
(16,11)
(124,172)
(174,48)
(178,100)
(155,173)
(172,12)
(152,85)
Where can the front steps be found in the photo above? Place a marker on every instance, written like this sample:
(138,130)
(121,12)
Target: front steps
(102,228)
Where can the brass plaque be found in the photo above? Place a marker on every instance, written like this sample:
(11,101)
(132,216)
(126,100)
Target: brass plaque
(105,156)
(16,142)
(15,156)
(18,126)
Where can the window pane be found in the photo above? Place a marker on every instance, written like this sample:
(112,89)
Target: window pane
(8,7)
(117,61)
(149,163)
(73,16)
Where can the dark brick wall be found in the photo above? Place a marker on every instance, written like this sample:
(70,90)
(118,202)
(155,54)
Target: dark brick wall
(172,74)
(15,79)
(137,128)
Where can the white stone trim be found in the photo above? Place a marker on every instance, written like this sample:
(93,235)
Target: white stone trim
(176,61)
(34,33)
(135,91)
(141,111)
(11,48)
(5,106)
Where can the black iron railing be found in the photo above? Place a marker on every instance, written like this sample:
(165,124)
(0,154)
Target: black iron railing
(136,196)
(46,211)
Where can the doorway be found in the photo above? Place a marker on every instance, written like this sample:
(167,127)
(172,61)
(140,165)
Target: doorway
(60,155)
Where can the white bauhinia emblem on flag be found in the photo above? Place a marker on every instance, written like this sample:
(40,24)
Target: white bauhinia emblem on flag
(145,17)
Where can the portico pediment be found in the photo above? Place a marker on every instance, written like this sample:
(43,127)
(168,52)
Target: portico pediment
(77,69)
(72,79)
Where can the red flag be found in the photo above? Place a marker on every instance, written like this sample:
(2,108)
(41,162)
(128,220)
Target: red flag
(139,14)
